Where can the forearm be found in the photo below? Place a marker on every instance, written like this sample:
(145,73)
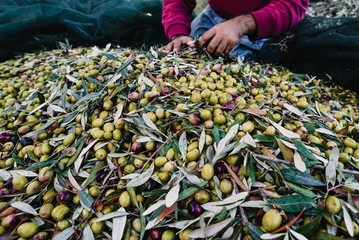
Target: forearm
(176,17)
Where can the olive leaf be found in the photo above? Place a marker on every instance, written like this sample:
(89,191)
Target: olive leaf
(331,168)
(182,143)
(119,224)
(88,234)
(142,178)
(348,221)
(293,203)
(27,208)
(172,195)
(299,163)
(86,200)
(210,230)
(283,131)
(64,234)
(202,140)
(298,177)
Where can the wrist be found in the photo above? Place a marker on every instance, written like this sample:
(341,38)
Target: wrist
(177,36)
(249,25)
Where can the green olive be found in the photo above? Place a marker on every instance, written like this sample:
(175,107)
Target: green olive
(136,225)
(69,139)
(27,229)
(19,182)
(59,212)
(32,187)
(45,210)
(226,186)
(124,199)
(271,220)
(97,227)
(332,204)
(168,235)
(193,155)
(202,196)
(207,172)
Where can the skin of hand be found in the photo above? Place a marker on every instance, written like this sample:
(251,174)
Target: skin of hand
(223,37)
(177,43)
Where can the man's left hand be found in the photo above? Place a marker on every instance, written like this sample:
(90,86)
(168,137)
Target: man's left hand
(223,37)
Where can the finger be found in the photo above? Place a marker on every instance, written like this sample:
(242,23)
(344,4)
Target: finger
(205,38)
(168,47)
(229,47)
(220,49)
(213,45)
(177,46)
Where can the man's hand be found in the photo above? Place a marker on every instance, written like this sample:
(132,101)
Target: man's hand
(223,37)
(178,43)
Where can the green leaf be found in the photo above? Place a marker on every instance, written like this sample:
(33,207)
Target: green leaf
(293,203)
(301,190)
(85,87)
(175,145)
(311,227)
(255,231)
(304,150)
(165,149)
(41,97)
(265,138)
(40,165)
(217,136)
(355,134)
(93,80)
(109,56)
(86,200)
(17,159)
(93,174)
(190,191)
(252,171)
(293,175)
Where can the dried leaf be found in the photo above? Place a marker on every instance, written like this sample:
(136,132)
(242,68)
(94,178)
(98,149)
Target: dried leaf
(287,153)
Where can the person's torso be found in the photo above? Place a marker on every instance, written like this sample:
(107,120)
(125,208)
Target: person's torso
(231,8)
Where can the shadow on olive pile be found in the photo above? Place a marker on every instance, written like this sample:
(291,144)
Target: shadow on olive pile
(125,144)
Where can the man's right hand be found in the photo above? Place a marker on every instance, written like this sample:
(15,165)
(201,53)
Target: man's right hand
(178,43)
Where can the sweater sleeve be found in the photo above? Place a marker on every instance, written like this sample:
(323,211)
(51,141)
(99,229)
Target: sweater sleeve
(176,16)
(278,17)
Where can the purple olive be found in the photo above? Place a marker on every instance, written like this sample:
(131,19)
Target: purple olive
(9,182)
(14,139)
(220,168)
(5,136)
(10,221)
(229,105)
(165,91)
(136,147)
(133,96)
(127,137)
(194,119)
(26,141)
(102,176)
(41,236)
(152,184)
(4,191)
(156,234)
(64,197)
(194,209)
(181,73)
(13,190)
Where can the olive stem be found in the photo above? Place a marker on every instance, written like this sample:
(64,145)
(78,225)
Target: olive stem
(262,157)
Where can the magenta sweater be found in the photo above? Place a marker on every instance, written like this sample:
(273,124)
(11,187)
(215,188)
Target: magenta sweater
(274,17)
